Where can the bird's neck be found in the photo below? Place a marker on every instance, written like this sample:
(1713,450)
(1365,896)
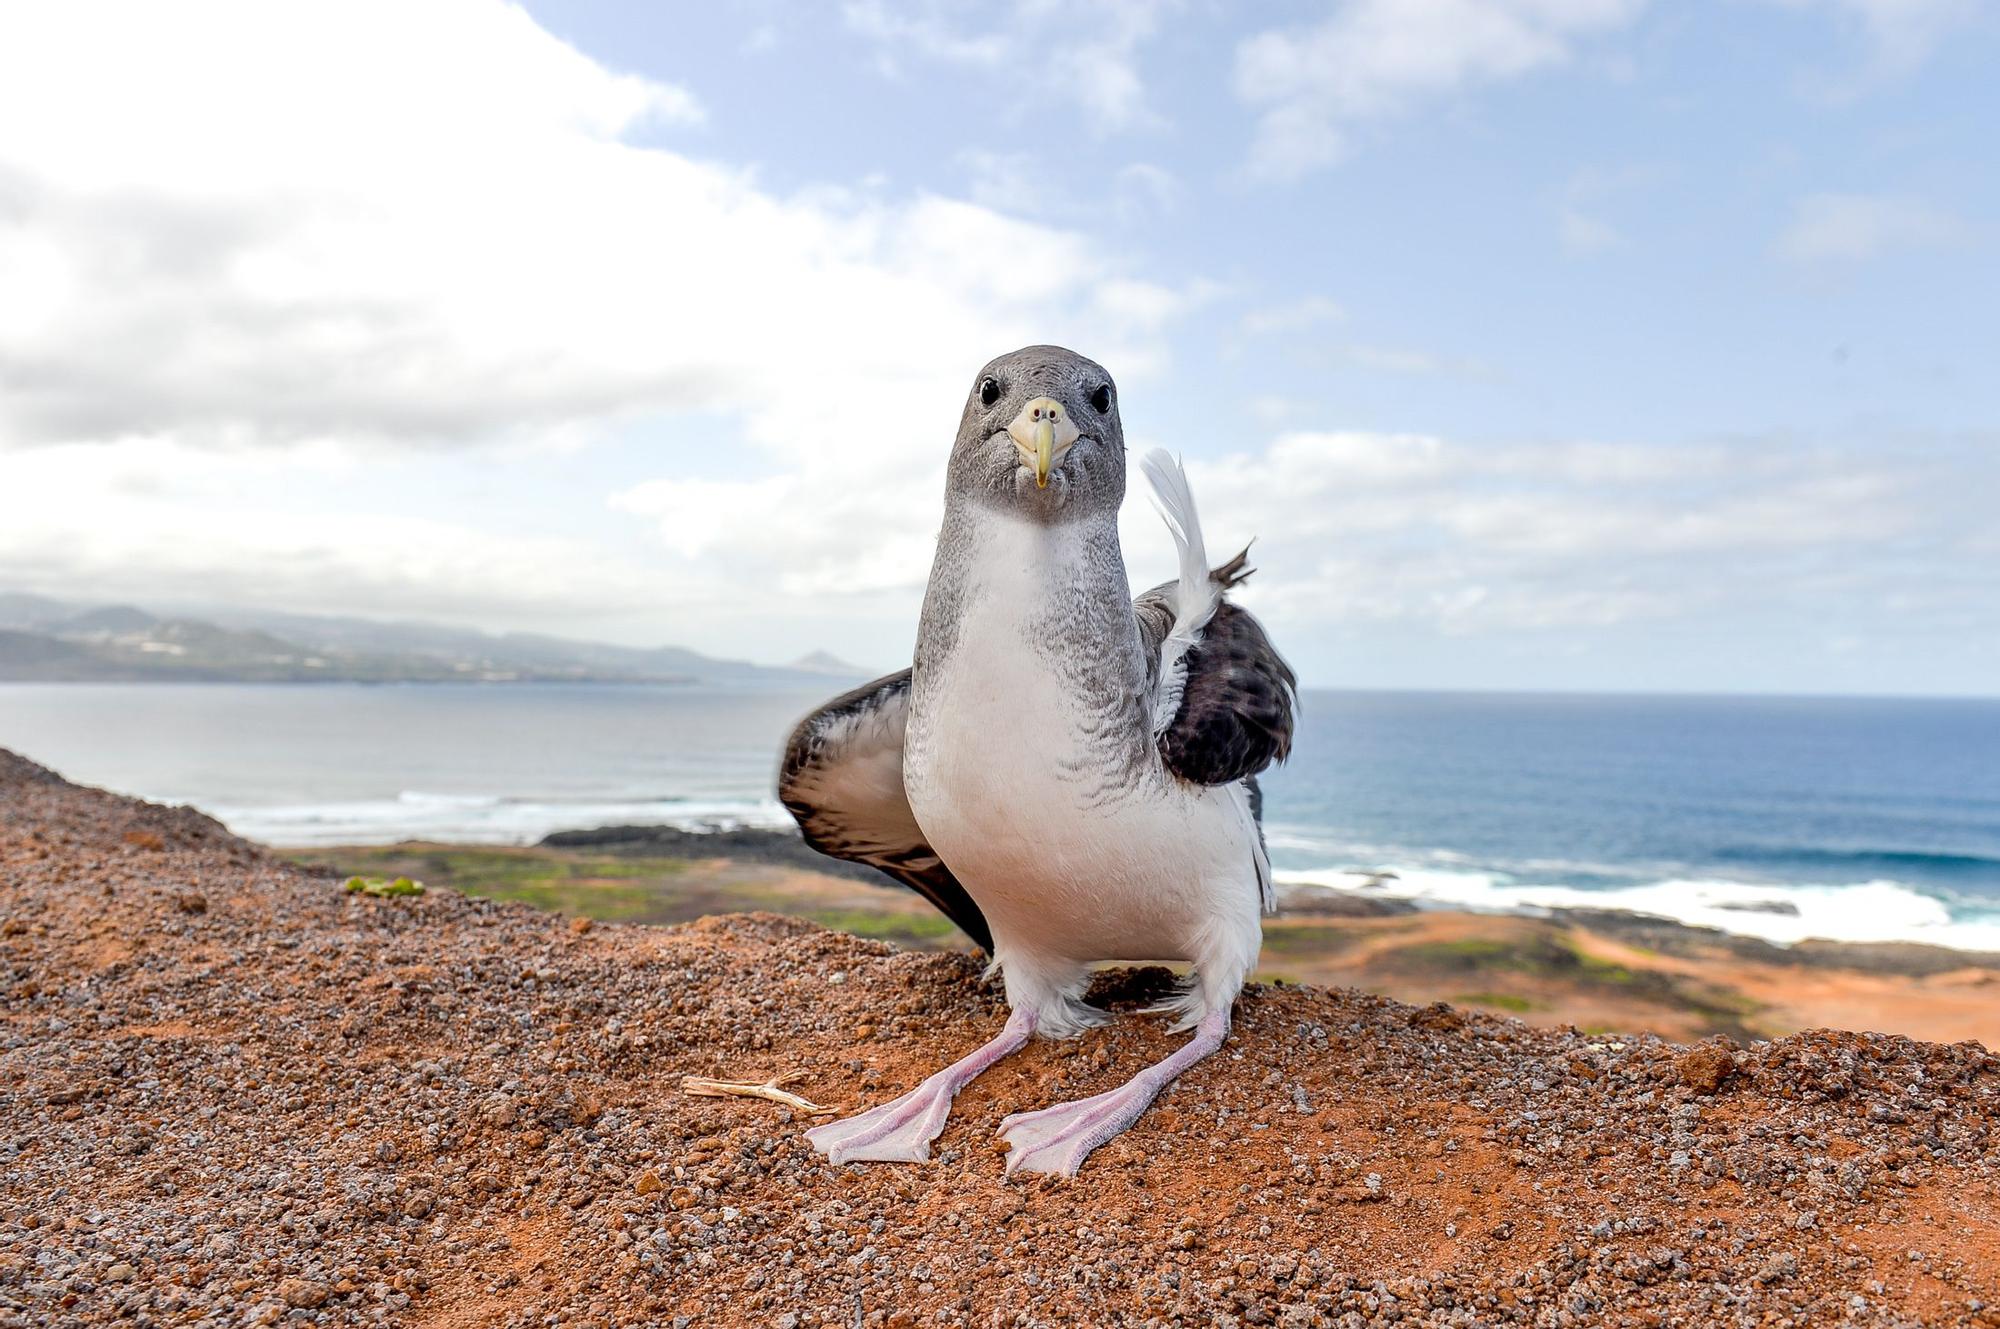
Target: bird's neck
(1060,586)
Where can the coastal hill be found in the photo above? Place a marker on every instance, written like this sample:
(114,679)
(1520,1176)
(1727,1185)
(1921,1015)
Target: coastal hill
(232,1090)
(45,640)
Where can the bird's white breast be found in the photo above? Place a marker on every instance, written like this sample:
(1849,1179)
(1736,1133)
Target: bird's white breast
(1066,831)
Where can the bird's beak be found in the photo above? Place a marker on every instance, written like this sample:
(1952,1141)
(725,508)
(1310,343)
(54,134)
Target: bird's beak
(1043,432)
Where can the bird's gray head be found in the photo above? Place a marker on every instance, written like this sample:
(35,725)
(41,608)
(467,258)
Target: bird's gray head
(1040,436)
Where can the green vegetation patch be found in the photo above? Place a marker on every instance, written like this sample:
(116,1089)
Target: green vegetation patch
(383,887)
(1305,941)
(1543,955)
(1499,1001)
(604,889)
(928,930)
(1473,953)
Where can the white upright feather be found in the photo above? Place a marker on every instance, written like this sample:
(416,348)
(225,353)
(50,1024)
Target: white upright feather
(1197,595)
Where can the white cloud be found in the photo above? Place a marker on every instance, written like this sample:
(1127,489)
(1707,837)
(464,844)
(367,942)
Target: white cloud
(1367,527)
(1006,182)
(1375,59)
(1901,34)
(1018,183)
(1585,234)
(1144,191)
(1831,227)
(1391,360)
(1272,409)
(931,29)
(1587,195)
(1296,316)
(875,535)
(151,519)
(1292,321)
(1906,32)
(468,249)
(1092,46)
(354,234)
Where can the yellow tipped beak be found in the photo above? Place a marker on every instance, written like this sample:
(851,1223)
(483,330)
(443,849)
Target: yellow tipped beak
(1042,432)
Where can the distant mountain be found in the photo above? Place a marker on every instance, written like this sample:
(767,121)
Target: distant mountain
(45,640)
(825,663)
(31,655)
(31,611)
(110,621)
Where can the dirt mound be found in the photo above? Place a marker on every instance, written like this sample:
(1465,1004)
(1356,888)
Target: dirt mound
(230,1091)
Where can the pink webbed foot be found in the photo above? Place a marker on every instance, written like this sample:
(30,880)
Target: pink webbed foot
(1057,1139)
(901,1131)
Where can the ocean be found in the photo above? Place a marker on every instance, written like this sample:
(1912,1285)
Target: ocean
(1784,818)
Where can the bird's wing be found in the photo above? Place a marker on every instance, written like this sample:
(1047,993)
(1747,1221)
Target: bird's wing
(1233,713)
(842,780)
(1221,696)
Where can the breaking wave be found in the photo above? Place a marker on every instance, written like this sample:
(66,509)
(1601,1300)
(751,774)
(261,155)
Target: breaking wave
(1878,909)
(416,814)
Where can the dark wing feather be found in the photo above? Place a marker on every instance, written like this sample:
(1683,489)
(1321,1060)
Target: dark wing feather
(842,780)
(1235,716)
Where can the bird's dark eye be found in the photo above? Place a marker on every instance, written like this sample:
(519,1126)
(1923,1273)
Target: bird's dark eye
(989,392)
(1100,400)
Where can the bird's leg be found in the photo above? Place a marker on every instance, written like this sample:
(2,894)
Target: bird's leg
(1057,1139)
(901,1131)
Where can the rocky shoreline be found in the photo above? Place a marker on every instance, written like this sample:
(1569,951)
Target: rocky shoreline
(232,1093)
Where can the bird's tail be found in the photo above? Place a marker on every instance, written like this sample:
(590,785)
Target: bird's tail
(1198,594)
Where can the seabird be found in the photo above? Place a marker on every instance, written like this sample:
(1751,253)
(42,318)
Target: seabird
(1067,773)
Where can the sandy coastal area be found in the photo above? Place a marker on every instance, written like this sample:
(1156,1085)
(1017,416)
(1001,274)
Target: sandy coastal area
(232,1092)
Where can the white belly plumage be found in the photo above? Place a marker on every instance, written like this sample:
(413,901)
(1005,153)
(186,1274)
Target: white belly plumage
(1135,875)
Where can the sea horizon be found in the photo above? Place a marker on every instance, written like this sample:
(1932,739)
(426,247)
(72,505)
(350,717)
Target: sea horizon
(839,682)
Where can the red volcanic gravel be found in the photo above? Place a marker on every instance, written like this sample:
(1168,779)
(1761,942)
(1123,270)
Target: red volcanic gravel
(231,1093)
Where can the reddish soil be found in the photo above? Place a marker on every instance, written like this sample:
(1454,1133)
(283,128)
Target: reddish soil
(232,1093)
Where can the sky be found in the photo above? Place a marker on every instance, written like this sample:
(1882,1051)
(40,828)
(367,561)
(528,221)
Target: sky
(1545,344)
